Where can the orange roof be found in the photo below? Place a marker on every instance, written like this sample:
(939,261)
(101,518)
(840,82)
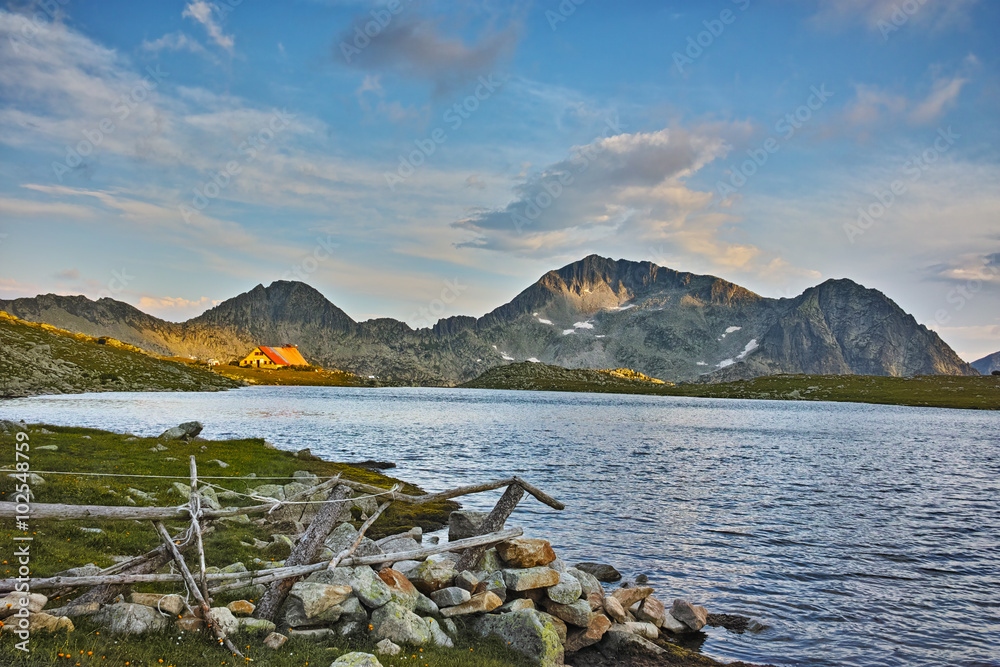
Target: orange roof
(285,356)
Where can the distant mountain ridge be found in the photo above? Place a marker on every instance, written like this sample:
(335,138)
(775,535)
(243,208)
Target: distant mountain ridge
(593,313)
(988,364)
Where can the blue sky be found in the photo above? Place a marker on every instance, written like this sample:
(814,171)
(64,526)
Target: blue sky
(174,154)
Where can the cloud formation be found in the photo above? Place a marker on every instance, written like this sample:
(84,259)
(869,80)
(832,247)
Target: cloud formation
(204,13)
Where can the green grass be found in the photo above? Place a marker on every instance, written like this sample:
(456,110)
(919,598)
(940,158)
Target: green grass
(941,391)
(88,647)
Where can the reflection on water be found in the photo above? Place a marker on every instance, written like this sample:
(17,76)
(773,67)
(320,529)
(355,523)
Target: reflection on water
(861,535)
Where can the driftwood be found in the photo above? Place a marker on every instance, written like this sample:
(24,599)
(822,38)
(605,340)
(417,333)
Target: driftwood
(192,585)
(493,522)
(305,551)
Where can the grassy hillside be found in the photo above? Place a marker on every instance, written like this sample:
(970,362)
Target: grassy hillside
(41,359)
(942,391)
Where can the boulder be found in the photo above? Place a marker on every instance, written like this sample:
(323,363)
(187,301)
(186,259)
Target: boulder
(387,647)
(629,596)
(223,618)
(12,602)
(578,613)
(352,611)
(438,636)
(567,591)
(185,431)
(241,607)
(372,591)
(189,623)
(396,622)
(432,575)
(130,619)
(42,622)
(255,625)
(312,600)
(524,552)
(584,637)
(312,634)
(673,625)
(619,641)
(588,582)
(400,587)
(275,640)
(451,596)
(169,604)
(466,580)
(344,535)
(72,610)
(652,611)
(275,491)
(560,625)
(398,545)
(489,561)
(517,605)
(426,606)
(526,632)
(356,659)
(464,523)
(693,616)
(494,581)
(644,630)
(479,603)
(614,609)
(601,571)
(523,579)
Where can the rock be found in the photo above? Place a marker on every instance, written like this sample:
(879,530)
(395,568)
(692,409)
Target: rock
(692,616)
(189,623)
(255,624)
(170,604)
(584,637)
(642,579)
(524,552)
(130,619)
(372,591)
(275,640)
(387,647)
(402,590)
(396,622)
(588,582)
(12,602)
(645,630)
(72,610)
(223,618)
(578,613)
(652,611)
(438,636)
(42,622)
(560,625)
(451,596)
(619,641)
(426,606)
(49,448)
(185,431)
(356,659)
(221,464)
(601,571)
(311,603)
(241,607)
(353,611)
(466,580)
(567,591)
(406,567)
(432,575)
(489,561)
(479,603)
(398,544)
(345,628)
(673,625)
(269,491)
(312,634)
(495,582)
(293,488)
(306,477)
(526,632)
(343,536)
(464,523)
(523,579)
(614,609)
(88,570)
(517,605)
(629,596)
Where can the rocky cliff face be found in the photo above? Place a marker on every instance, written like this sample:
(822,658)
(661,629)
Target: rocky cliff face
(595,313)
(988,364)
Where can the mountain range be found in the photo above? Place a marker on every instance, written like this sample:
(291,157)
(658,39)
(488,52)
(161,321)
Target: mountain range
(988,364)
(593,313)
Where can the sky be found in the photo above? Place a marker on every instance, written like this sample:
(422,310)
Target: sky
(419,160)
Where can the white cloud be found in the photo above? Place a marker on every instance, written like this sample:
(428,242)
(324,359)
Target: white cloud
(174,41)
(202,12)
(941,98)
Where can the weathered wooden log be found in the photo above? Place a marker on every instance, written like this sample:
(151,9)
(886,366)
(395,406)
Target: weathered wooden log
(192,585)
(265,576)
(305,551)
(493,522)
(195,511)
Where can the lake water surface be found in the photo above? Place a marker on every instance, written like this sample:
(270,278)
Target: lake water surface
(861,535)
